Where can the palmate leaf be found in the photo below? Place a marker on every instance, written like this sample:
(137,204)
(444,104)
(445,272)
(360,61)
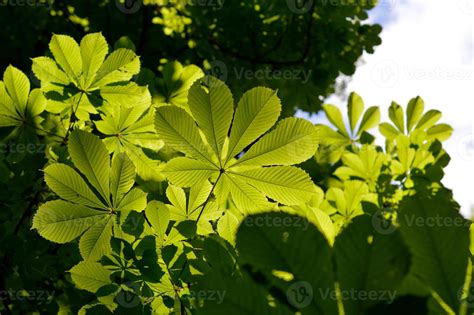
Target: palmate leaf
(20,108)
(211,147)
(365,164)
(347,201)
(416,122)
(131,130)
(84,77)
(438,239)
(185,206)
(334,142)
(355,108)
(89,209)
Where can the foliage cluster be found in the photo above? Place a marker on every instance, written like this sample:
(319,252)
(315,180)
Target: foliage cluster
(168,195)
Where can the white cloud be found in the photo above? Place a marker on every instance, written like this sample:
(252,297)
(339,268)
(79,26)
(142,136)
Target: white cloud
(427,51)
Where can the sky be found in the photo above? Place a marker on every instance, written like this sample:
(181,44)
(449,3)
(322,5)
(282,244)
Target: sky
(427,50)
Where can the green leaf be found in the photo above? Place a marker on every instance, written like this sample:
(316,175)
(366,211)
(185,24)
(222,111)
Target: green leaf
(246,198)
(90,276)
(18,109)
(47,71)
(96,240)
(388,131)
(286,184)
(126,95)
(36,104)
(369,262)
(18,87)
(121,65)
(348,201)
(293,141)
(331,145)
(61,222)
(236,293)
(370,120)
(173,88)
(198,195)
(159,217)
(441,132)
(438,238)
(69,185)
(355,108)
(365,165)
(395,113)
(177,197)
(415,109)
(124,42)
(122,177)
(212,106)
(335,117)
(304,255)
(257,111)
(148,170)
(67,54)
(90,156)
(8,114)
(134,200)
(428,120)
(185,172)
(323,222)
(227,226)
(94,48)
(179,130)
